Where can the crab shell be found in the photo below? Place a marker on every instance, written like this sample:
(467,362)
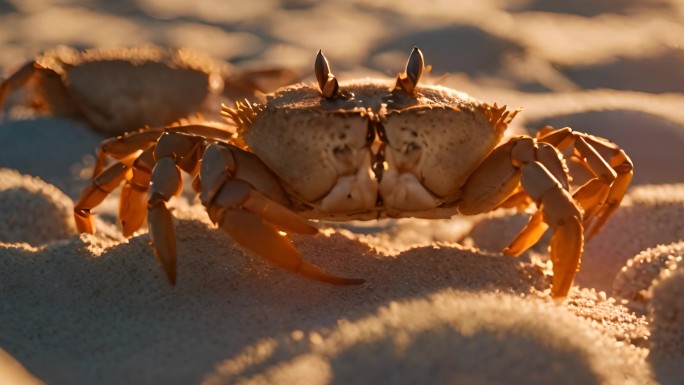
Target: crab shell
(118,90)
(373,152)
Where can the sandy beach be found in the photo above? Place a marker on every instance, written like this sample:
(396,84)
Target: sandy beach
(441,303)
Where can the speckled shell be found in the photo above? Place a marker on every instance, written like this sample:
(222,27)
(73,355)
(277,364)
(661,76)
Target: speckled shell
(123,89)
(438,135)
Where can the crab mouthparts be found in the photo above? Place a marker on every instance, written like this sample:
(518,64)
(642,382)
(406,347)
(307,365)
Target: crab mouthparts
(378,139)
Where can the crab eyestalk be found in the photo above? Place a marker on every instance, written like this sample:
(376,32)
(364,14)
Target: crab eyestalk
(408,80)
(326,80)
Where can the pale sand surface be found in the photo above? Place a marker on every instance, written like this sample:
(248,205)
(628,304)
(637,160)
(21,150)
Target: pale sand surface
(441,304)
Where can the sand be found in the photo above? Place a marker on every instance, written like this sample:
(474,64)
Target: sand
(441,303)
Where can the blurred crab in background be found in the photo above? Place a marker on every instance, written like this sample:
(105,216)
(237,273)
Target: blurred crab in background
(358,150)
(117,90)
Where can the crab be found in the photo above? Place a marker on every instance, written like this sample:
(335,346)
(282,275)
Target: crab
(117,90)
(361,150)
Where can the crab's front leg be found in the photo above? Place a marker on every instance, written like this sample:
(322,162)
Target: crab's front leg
(231,180)
(538,169)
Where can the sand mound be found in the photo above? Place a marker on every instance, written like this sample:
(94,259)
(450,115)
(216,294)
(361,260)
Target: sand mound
(448,337)
(33,211)
(440,302)
(637,277)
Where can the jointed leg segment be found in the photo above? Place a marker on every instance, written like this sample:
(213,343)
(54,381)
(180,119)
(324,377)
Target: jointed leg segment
(523,165)
(526,170)
(611,168)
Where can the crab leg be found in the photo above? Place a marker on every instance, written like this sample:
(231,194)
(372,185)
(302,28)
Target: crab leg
(150,159)
(165,183)
(523,162)
(125,145)
(96,192)
(16,81)
(46,91)
(207,132)
(528,236)
(251,218)
(624,168)
(613,170)
(174,152)
(143,139)
(134,194)
(560,212)
(249,83)
(135,169)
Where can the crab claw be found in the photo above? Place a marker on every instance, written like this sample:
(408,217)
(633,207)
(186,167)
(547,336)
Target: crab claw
(262,238)
(252,219)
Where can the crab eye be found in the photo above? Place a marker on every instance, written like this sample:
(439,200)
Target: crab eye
(408,80)
(326,80)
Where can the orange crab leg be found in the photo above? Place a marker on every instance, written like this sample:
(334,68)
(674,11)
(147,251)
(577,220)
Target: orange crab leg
(612,168)
(206,132)
(565,254)
(624,169)
(96,192)
(560,213)
(565,218)
(166,182)
(174,152)
(134,194)
(523,162)
(16,81)
(492,183)
(46,91)
(125,145)
(591,196)
(248,83)
(530,235)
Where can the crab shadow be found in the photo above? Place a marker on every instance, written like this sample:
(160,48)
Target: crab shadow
(54,149)
(477,53)
(590,8)
(656,74)
(485,51)
(117,308)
